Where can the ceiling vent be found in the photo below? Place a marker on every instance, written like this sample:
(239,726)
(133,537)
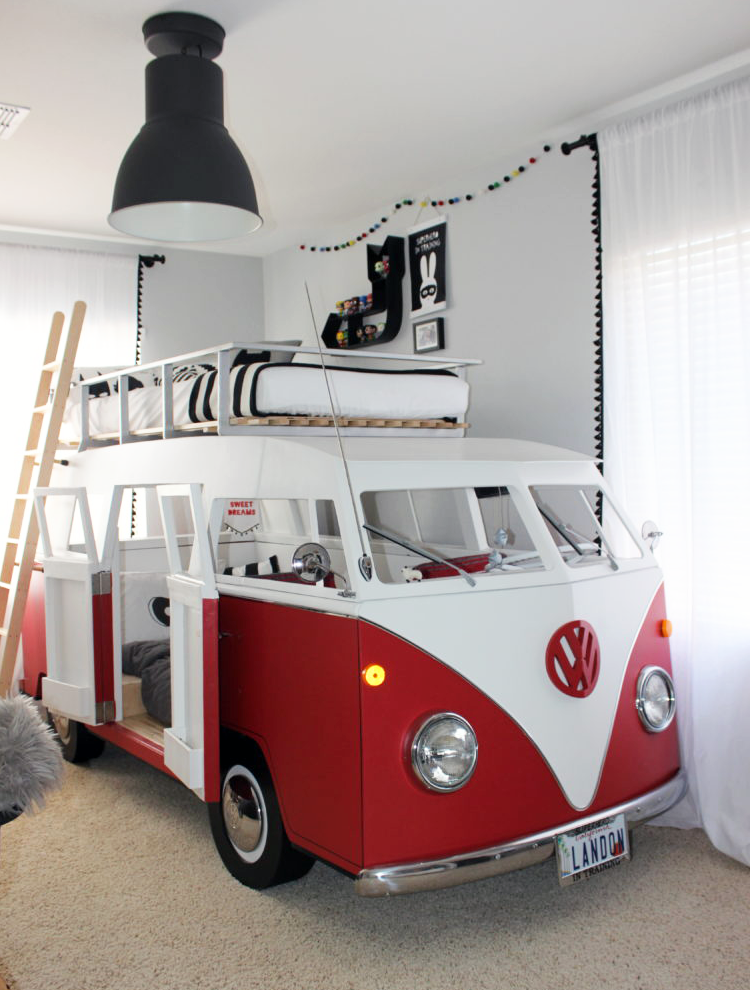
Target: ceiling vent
(11,118)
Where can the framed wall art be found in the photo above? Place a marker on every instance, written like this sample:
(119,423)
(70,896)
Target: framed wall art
(427,267)
(429,335)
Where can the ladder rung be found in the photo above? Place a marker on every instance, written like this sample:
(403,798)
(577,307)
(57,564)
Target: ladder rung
(24,496)
(52,366)
(3,632)
(5,584)
(14,541)
(41,409)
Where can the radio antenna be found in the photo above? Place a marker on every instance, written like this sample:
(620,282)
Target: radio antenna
(365,563)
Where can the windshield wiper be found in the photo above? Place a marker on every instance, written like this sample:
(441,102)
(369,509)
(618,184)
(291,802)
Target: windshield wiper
(420,551)
(569,536)
(559,526)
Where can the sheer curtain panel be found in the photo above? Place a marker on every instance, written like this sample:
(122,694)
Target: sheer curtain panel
(34,282)
(676,254)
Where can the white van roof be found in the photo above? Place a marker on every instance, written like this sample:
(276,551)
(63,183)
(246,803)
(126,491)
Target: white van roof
(462,450)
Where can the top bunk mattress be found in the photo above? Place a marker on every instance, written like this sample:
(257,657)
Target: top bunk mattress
(265,390)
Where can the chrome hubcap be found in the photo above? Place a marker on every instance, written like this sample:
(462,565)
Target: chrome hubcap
(243,812)
(62,728)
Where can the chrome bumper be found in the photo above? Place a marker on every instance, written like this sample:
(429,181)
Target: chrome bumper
(410,878)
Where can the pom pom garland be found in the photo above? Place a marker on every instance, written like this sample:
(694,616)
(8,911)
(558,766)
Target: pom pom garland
(423,203)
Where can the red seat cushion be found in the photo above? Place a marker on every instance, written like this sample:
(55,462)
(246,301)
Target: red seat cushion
(474,562)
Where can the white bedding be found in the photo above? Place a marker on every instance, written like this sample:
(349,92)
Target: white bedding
(279,389)
(373,394)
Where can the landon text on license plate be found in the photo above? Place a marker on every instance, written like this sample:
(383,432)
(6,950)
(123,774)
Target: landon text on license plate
(592,849)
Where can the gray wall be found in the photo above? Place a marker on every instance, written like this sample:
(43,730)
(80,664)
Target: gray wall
(196,299)
(521,296)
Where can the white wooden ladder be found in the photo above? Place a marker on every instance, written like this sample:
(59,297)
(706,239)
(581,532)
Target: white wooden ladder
(36,471)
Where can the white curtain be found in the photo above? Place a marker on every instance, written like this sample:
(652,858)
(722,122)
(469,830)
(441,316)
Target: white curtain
(676,254)
(34,283)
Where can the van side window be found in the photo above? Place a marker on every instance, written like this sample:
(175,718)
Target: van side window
(257,538)
(329,536)
(328,524)
(284,516)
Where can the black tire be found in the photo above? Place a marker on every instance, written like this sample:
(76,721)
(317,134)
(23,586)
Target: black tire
(77,743)
(248,831)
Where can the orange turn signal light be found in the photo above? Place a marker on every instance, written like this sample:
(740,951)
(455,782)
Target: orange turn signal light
(374,674)
(666,627)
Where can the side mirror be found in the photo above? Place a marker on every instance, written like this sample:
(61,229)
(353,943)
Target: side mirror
(651,533)
(311,562)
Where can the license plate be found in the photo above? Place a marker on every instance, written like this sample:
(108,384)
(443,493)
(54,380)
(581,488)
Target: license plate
(591,849)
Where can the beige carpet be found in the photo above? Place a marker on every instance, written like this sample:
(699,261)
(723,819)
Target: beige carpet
(117,885)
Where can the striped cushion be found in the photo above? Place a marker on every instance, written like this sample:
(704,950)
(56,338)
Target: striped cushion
(203,401)
(259,569)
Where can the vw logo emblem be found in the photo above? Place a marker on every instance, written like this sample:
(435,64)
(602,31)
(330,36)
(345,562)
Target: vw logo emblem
(573,659)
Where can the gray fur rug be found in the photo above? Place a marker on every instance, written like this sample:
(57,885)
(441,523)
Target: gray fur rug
(30,760)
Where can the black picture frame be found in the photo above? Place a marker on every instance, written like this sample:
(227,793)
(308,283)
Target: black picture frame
(429,335)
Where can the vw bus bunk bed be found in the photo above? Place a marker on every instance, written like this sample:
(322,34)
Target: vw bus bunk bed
(280,707)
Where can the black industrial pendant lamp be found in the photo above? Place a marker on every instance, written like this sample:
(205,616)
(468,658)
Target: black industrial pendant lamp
(183,178)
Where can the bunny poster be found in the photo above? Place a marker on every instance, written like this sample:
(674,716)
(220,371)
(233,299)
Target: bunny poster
(427,267)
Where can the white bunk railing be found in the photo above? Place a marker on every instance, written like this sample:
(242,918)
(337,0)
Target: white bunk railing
(222,357)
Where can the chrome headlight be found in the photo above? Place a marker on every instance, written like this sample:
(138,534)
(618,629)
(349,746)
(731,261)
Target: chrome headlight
(654,699)
(444,752)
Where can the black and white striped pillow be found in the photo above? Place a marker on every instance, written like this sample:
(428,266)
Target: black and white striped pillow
(270,566)
(186,372)
(200,409)
(205,389)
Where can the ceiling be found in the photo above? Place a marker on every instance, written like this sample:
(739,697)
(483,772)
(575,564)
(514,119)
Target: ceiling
(341,106)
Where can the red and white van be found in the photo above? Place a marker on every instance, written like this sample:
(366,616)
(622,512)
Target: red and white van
(433,660)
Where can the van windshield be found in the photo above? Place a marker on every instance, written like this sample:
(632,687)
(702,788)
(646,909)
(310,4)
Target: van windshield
(433,533)
(585,525)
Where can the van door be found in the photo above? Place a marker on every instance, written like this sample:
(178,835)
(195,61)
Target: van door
(191,744)
(78,610)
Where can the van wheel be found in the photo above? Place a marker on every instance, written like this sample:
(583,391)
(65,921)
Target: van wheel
(77,743)
(248,832)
